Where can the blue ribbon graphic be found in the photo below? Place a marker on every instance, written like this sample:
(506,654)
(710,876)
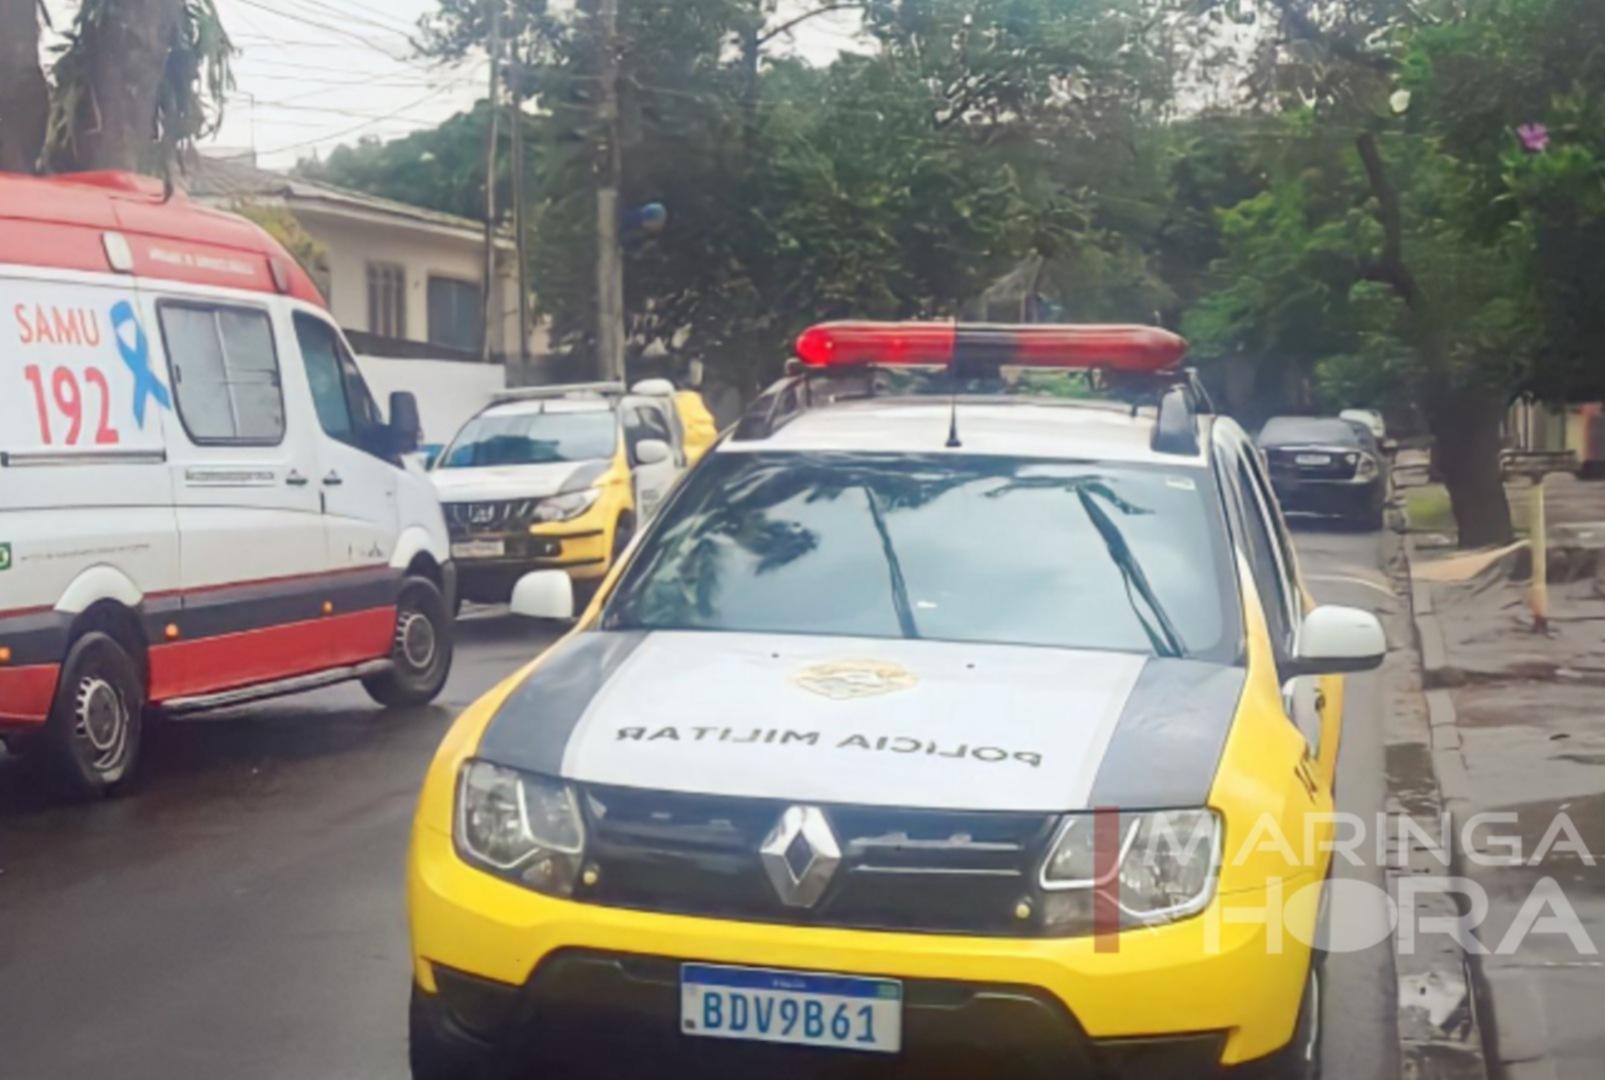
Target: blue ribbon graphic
(137,357)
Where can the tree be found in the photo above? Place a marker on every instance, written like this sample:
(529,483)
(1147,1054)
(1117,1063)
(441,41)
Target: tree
(441,167)
(22,87)
(1449,298)
(137,82)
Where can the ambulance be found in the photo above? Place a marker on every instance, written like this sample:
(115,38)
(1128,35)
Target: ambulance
(200,502)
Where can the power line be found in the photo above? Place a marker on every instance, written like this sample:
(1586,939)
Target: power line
(397,115)
(332,29)
(389,25)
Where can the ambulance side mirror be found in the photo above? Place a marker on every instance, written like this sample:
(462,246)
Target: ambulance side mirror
(406,428)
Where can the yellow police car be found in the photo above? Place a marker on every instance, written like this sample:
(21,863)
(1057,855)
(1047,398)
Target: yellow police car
(933,728)
(556,477)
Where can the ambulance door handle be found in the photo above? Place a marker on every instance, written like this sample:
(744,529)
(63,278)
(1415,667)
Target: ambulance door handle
(333,479)
(295,479)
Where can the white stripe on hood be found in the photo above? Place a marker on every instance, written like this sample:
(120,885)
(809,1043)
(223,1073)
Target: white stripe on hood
(982,727)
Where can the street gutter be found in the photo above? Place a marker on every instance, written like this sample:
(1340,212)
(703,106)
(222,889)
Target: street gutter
(1440,1029)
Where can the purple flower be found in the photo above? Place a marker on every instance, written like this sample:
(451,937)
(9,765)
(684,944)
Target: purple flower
(1534,137)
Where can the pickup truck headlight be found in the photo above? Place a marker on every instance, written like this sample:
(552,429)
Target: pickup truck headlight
(565,507)
(1164,869)
(521,827)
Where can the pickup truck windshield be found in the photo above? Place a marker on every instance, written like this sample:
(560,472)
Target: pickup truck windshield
(536,438)
(958,548)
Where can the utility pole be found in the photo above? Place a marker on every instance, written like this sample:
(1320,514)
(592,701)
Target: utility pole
(609,262)
(515,78)
(494,47)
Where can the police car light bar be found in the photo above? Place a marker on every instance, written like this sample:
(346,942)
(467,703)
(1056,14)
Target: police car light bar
(1111,348)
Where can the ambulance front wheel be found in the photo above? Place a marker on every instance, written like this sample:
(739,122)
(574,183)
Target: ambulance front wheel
(421,654)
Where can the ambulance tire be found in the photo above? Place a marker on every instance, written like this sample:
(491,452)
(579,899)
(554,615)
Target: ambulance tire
(93,733)
(421,658)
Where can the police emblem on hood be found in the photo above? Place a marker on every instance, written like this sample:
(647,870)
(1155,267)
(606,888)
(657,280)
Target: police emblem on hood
(842,680)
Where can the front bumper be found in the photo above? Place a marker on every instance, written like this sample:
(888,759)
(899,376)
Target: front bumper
(583,551)
(591,1013)
(1228,987)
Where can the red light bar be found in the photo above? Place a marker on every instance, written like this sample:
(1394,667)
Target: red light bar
(1112,348)
(841,344)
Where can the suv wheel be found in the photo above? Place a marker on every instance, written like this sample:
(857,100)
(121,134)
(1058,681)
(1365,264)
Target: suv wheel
(421,656)
(431,1053)
(95,724)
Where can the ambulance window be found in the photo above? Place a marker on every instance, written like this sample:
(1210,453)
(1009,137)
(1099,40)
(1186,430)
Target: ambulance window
(225,373)
(346,409)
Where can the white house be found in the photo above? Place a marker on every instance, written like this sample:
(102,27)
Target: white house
(405,282)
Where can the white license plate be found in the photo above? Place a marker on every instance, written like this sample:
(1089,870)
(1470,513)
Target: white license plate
(1314,459)
(479,549)
(841,1012)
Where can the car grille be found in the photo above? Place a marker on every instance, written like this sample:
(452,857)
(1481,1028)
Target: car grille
(487,516)
(930,870)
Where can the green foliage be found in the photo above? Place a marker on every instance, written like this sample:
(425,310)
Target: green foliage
(185,61)
(279,223)
(442,167)
(988,156)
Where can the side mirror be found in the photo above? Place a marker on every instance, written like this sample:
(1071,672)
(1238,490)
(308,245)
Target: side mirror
(1337,640)
(1390,446)
(543,594)
(406,429)
(651,452)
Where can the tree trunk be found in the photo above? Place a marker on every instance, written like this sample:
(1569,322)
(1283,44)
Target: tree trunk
(1465,426)
(23,92)
(126,53)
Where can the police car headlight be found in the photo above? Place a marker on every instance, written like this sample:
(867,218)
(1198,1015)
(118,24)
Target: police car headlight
(565,507)
(522,827)
(1148,868)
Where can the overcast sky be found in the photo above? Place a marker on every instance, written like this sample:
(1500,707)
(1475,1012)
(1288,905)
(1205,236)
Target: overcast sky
(312,74)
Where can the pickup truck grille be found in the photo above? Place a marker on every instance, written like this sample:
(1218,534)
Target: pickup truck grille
(463,517)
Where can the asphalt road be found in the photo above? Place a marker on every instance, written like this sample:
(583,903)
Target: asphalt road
(241,915)
(1360,1007)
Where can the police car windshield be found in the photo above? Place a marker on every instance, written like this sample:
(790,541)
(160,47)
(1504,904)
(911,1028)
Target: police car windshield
(535,438)
(900,546)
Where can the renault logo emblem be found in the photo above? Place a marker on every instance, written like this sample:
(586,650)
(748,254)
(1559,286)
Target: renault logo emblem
(801,856)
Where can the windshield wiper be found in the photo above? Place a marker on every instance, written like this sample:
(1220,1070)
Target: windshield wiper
(905,610)
(1160,630)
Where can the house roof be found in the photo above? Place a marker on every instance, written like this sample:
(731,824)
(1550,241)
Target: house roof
(221,178)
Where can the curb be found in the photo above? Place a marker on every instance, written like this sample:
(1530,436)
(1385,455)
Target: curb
(1439,1029)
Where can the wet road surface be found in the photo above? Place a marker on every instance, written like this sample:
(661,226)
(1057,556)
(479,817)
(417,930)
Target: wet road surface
(242,914)
(1359,1013)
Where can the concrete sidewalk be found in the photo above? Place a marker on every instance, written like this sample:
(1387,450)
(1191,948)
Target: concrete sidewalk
(1518,730)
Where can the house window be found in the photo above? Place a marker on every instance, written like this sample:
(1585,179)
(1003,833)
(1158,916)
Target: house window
(387,300)
(456,313)
(225,373)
